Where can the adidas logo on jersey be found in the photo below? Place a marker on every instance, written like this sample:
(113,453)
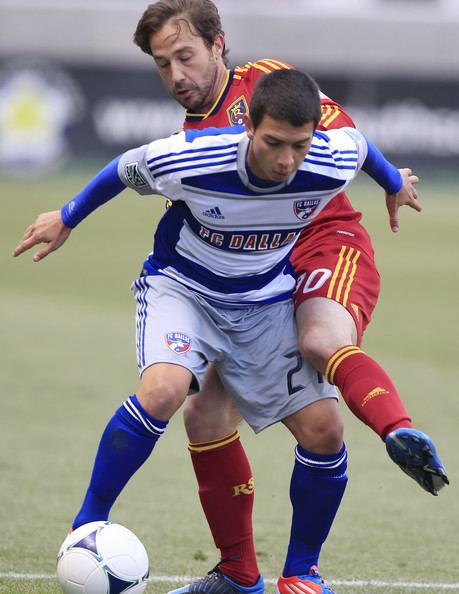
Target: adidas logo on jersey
(213,213)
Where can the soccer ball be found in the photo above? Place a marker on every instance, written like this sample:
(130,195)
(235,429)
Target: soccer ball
(102,558)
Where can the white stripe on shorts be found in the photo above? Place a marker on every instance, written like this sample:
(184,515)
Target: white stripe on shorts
(142,287)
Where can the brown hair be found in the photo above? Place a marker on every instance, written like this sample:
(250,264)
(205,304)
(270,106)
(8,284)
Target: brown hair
(201,14)
(287,95)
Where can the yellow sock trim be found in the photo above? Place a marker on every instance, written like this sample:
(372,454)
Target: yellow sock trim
(337,359)
(213,445)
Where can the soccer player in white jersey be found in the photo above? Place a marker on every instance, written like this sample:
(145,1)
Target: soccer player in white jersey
(218,285)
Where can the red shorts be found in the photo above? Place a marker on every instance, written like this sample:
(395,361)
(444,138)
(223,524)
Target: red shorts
(335,259)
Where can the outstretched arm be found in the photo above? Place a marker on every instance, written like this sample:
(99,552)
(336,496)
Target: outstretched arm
(53,228)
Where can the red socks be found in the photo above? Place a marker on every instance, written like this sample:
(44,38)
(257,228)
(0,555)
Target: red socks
(226,492)
(367,390)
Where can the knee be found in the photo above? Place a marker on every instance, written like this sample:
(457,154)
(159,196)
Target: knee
(194,414)
(314,346)
(161,399)
(209,419)
(327,438)
(318,428)
(324,326)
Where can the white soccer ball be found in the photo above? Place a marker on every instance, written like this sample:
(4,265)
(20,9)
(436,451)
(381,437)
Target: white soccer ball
(102,558)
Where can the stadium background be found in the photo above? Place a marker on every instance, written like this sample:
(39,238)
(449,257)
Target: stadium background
(74,86)
(74,92)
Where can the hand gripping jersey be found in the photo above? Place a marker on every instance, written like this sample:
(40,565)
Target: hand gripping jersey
(225,237)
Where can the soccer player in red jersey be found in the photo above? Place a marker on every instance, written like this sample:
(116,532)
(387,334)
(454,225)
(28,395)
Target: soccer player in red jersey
(337,290)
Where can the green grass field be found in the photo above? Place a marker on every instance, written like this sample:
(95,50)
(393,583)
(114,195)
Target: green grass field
(68,360)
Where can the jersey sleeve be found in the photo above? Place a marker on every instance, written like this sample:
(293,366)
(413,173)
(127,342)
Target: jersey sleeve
(133,171)
(374,163)
(334,116)
(102,188)
(139,168)
(360,143)
(252,71)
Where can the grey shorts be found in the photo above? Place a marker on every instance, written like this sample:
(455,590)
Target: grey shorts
(254,348)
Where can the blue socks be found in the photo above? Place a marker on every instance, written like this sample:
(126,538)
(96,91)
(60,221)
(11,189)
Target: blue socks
(316,489)
(126,443)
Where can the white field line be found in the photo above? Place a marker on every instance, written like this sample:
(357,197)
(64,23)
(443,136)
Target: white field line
(185,579)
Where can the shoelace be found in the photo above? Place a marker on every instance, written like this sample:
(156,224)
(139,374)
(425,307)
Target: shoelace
(314,572)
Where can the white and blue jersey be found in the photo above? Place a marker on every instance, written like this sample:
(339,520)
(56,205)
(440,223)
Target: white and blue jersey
(226,236)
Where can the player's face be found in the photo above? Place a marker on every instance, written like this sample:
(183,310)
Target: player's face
(191,72)
(277,148)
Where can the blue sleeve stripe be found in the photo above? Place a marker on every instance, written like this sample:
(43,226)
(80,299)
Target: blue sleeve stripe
(322,135)
(102,188)
(320,147)
(332,164)
(329,156)
(192,151)
(153,168)
(334,152)
(196,166)
(381,170)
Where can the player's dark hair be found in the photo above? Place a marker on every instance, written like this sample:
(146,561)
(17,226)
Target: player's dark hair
(287,95)
(201,14)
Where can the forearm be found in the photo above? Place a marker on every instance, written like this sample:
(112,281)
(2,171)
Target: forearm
(102,188)
(381,170)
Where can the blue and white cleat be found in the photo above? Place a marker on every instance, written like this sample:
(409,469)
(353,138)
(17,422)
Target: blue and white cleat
(415,453)
(217,583)
(312,583)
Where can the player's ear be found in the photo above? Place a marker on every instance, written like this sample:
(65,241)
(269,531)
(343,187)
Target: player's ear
(249,126)
(219,45)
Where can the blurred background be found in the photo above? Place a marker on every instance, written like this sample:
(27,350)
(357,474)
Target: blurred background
(73,86)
